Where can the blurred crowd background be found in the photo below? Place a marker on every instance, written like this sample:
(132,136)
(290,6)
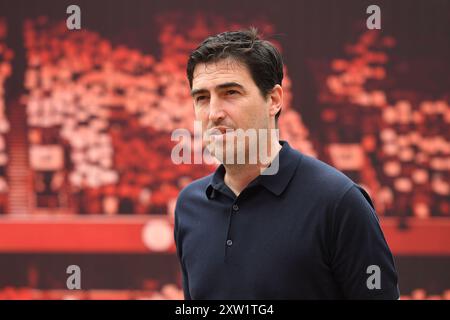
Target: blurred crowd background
(86,118)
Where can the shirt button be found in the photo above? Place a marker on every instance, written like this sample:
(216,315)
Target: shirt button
(235,207)
(229,243)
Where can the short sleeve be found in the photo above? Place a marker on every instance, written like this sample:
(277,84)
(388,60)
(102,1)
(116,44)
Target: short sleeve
(184,279)
(361,260)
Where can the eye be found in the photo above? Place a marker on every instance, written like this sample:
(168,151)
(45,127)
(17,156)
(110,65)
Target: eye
(230,92)
(200,98)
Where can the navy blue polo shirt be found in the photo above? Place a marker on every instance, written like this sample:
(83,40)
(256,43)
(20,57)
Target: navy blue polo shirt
(307,232)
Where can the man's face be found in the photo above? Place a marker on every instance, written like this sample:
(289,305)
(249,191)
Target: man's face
(226,98)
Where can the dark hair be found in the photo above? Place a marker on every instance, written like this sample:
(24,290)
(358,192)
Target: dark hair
(261,57)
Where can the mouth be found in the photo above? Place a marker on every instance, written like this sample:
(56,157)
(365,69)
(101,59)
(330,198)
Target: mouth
(216,131)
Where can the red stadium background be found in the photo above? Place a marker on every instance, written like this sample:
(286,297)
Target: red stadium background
(86,117)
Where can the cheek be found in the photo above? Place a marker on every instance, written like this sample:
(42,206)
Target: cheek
(257,114)
(201,114)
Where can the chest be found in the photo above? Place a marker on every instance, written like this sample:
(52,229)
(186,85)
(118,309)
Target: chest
(254,249)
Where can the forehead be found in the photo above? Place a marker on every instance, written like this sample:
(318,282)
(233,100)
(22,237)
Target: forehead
(208,75)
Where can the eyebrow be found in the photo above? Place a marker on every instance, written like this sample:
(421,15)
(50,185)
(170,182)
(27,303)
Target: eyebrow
(218,87)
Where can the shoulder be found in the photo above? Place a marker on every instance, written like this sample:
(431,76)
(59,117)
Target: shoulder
(356,205)
(321,178)
(320,183)
(334,185)
(188,200)
(195,190)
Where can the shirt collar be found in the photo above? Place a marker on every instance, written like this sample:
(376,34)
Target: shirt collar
(288,160)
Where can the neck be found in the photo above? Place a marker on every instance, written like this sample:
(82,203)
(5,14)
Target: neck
(238,176)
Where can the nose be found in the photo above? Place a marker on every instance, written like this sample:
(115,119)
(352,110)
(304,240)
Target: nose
(216,112)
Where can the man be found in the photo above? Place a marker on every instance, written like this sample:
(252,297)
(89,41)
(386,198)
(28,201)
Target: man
(305,232)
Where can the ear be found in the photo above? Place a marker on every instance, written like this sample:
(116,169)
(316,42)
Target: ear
(276,100)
